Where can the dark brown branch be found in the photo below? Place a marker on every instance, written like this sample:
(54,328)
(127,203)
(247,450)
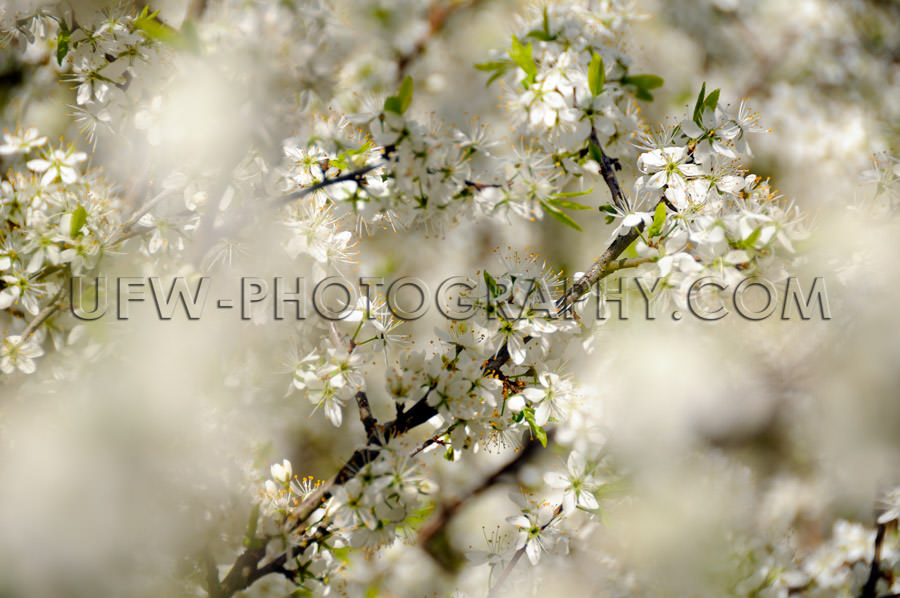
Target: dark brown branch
(600,268)
(246,569)
(370,424)
(608,167)
(354,175)
(868,590)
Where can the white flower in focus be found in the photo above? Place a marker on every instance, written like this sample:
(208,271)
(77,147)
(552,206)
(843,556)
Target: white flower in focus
(58,165)
(19,353)
(547,397)
(577,485)
(536,533)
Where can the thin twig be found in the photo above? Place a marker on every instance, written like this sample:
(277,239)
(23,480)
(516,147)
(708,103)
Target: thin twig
(354,175)
(438,16)
(448,510)
(42,316)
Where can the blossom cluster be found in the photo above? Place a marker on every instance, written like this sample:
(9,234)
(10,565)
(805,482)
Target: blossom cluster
(57,223)
(568,130)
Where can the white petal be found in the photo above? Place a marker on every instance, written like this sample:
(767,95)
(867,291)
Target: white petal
(533,550)
(576,464)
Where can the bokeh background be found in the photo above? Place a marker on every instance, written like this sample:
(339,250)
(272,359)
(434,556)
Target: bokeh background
(146,439)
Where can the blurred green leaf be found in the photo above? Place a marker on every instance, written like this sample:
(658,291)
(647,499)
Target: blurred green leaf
(596,75)
(659,219)
(400,102)
(522,56)
(560,215)
(79,217)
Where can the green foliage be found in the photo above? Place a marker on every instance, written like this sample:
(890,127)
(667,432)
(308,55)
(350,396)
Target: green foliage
(79,217)
(186,39)
(595,152)
(643,84)
(659,220)
(542,34)
(400,102)
(704,103)
(522,56)
(491,284)
(560,215)
(62,42)
(498,67)
(596,75)
(538,431)
(610,212)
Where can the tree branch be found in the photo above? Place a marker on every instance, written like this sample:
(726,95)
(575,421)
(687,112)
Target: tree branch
(370,424)
(238,578)
(353,175)
(42,316)
(868,590)
(448,510)
(608,167)
(438,16)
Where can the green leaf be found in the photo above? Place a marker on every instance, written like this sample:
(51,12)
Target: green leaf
(595,152)
(538,431)
(643,84)
(522,56)
(751,239)
(596,75)
(393,104)
(698,107)
(79,217)
(560,215)
(705,103)
(567,205)
(643,95)
(499,68)
(159,31)
(659,219)
(400,102)
(610,212)
(185,39)
(540,35)
(543,33)
(406,93)
(493,65)
(491,284)
(572,193)
(62,44)
(644,81)
(711,101)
